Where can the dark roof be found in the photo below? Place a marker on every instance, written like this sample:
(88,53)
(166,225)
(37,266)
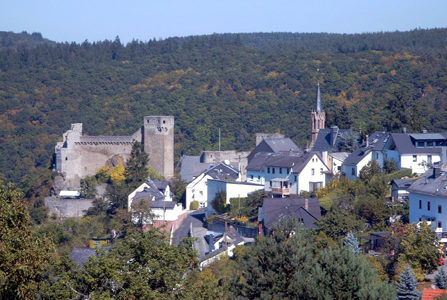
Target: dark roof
(275,145)
(194,219)
(402,184)
(81,255)
(222,171)
(150,193)
(427,184)
(191,167)
(283,144)
(325,139)
(275,209)
(427,136)
(340,155)
(405,146)
(160,184)
(355,157)
(296,161)
(154,204)
(378,139)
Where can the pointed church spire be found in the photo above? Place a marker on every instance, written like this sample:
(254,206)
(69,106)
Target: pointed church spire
(318,109)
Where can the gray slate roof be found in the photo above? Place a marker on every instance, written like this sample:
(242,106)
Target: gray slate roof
(275,209)
(275,145)
(405,146)
(402,184)
(295,160)
(191,167)
(330,140)
(193,220)
(81,255)
(223,171)
(427,136)
(341,156)
(377,142)
(427,184)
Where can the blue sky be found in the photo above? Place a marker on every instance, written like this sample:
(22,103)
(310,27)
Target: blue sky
(94,20)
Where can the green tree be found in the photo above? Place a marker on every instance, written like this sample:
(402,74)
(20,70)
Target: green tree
(441,279)
(371,169)
(406,288)
(352,243)
(136,171)
(143,265)
(337,223)
(219,203)
(389,166)
(340,274)
(419,247)
(25,255)
(277,267)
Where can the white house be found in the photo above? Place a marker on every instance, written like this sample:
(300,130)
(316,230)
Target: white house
(417,151)
(373,149)
(233,189)
(149,198)
(428,201)
(287,173)
(335,161)
(197,190)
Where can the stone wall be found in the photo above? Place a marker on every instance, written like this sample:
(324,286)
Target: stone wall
(67,208)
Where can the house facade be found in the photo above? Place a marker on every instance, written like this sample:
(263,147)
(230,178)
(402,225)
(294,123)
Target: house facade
(197,190)
(428,201)
(417,151)
(287,173)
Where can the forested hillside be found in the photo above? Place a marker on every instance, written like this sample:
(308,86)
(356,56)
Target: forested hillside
(241,83)
(23,39)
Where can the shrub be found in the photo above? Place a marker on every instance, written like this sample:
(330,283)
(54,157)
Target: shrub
(194,205)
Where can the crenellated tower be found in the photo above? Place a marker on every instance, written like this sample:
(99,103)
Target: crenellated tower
(318,117)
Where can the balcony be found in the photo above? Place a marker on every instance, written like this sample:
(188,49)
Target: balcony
(281,191)
(280,187)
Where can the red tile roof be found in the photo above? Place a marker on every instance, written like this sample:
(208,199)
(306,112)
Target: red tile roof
(430,294)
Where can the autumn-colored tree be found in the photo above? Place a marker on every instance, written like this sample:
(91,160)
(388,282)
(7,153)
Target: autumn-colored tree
(25,256)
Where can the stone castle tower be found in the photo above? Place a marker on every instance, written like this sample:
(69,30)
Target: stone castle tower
(318,117)
(158,141)
(78,156)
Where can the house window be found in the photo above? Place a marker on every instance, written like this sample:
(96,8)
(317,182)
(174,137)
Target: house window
(415,158)
(268,170)
(439,209)
(428,205)
(439,224)
(429,159)
(420,144)
(251,177)
(321,170)
(270,183)
(353,171)
(288,170)
(273,170)
(280,170)
(420,204)
(313,172)
(259,177)
(296,178)
(339,168)
(429,144)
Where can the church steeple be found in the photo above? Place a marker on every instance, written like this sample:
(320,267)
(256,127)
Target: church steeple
(318,108)
(318,117)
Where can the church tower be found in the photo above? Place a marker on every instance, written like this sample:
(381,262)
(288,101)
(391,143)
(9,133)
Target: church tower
(318,118)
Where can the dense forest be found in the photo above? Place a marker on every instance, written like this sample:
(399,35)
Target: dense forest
(241,83)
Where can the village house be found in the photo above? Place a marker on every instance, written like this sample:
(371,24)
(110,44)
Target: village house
(152,204)
(417,151)
(306,211)
(428,201)
(288,173)
(399,189)
(197,190)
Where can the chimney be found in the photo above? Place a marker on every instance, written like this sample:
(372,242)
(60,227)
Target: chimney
(404,130)
(367,140)
(306,204)
(436,172)
(324,157)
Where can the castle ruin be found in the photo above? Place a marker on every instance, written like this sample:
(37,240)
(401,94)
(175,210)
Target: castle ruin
(78,156)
